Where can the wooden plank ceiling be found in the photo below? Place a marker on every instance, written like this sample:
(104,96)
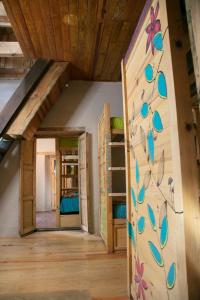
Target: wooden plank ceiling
(91,34)
(4,22)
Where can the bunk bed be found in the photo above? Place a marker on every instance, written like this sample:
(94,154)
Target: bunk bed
(112,183)
(69,190)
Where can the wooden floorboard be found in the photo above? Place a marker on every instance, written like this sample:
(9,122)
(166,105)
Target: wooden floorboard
(61,262)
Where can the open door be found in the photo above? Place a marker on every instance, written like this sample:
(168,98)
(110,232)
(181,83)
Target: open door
(58,175)
(27,186)
(84,185)
(53,182)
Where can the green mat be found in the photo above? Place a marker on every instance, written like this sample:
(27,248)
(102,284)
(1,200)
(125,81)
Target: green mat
(117,123)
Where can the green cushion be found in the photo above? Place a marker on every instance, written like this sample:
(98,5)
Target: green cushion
(117,123)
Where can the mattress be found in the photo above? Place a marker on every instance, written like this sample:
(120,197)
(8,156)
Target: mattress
(69,205)
(119,211)
(117,123)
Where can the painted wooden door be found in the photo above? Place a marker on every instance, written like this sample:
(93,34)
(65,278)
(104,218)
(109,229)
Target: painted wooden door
(84,180)
(27,186)
(162,174)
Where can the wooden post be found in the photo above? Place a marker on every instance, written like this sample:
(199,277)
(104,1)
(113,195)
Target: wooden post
(193,17)
(189,168)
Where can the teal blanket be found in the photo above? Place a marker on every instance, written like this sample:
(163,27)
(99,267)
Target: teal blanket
(119,211)
(69,205)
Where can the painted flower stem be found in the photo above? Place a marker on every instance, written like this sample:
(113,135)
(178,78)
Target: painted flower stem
(165,272)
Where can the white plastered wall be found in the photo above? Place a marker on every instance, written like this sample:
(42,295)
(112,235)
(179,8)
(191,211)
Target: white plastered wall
(44,148)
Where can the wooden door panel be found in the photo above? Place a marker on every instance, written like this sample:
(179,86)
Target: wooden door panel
(84,186)
(83,183)
(27,186)
(28,215)
(28,179)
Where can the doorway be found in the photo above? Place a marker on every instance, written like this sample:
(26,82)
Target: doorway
(46,201)
(49,177)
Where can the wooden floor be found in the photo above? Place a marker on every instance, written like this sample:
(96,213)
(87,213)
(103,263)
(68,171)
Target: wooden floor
(61,261)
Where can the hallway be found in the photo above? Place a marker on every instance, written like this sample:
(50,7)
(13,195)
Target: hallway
(69,264)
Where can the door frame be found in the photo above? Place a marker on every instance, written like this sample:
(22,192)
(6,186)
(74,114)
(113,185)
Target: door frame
(56,133)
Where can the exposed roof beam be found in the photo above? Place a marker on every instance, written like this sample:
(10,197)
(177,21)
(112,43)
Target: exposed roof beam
(40,101)
(4,21)
(8,49)
(2,10)
(19,97)
(59,131)
(13,72)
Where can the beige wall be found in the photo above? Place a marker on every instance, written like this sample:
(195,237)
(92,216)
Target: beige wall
(7,88)
(46,145)
(9,192)
(81,104)
(43,181)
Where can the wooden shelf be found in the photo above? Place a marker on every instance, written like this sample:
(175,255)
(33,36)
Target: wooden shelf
(69,164)
(69,176)
(117,131)
(117,194)
(116,169)
(117,200)
(119,221)
(117,144)
(71,157)
(73,188)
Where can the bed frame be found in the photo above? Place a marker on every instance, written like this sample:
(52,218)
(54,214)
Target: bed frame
(113,231)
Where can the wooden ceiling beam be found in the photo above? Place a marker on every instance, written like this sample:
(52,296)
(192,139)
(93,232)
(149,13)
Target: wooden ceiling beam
(4,21)
(46,132)
(12,73)
(2,10)
(10,49)
(19,97)
(40,101)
